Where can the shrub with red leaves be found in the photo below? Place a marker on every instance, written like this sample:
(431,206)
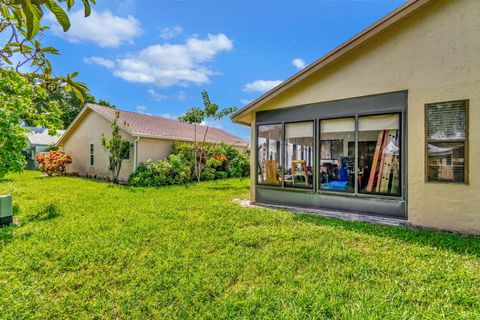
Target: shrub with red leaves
(53,162)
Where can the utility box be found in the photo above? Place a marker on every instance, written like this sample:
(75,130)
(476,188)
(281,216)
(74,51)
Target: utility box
(5,209)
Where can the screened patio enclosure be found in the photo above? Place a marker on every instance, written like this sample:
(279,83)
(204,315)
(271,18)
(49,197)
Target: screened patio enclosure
(344,155)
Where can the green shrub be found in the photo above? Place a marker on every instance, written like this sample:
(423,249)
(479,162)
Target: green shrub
(207,174)
(173,170)
(219,157)
(221,174)
(239,166)
(184,150)
(219,161)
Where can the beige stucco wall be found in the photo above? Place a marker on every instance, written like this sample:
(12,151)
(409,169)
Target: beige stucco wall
(153,149)
(88,131)
(435,55)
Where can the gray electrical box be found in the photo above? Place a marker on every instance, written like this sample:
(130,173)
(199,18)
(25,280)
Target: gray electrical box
(5,209)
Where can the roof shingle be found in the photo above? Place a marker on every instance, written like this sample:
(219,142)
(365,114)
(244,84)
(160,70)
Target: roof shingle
(142,124)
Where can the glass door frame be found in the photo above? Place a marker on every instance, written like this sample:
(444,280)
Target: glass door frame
(357,193)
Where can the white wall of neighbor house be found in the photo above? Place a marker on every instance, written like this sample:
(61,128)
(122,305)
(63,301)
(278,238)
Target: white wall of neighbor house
(89,131)
(434,54)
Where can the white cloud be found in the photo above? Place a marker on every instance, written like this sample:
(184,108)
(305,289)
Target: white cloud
(102,28)
(170,33)
(109,64)
(245,101)
(156,96)
(214,124)
(261,85)
(167,65)
(299,63)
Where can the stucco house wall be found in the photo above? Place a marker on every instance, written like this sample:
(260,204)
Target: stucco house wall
(150,138)
(153,149)
(89,131)
(434,55)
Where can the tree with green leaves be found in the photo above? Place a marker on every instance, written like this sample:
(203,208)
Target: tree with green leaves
(19,104)
(21,25)
(116,147)
(196,116)
(71,106)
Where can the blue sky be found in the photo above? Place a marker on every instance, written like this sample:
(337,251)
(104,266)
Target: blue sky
(155,57)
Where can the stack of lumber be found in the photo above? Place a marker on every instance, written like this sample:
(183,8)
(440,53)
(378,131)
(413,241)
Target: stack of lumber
(271,171)
(385,169)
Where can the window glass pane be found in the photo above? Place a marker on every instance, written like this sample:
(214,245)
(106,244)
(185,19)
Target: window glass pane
(126,156)
(269,154)
(446,121)
(299,154)
(446,135)
(337,159)
(446,161)
(379,154)
(92,160)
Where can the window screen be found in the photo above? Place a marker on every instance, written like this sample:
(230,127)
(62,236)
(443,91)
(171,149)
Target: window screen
(446,130)
(337,166)
(298,170)
(269,165)
(379,149)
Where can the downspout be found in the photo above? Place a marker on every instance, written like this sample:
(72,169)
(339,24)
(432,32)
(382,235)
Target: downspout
(135,143)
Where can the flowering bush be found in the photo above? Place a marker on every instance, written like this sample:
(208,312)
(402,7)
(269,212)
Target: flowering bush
(219,161)
(217,158)
(53,162)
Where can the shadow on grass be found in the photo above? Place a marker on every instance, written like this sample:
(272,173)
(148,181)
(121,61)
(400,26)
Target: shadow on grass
(15,209)
(48,212)
(227,186)
(6,235)
(45,177)
(452,242)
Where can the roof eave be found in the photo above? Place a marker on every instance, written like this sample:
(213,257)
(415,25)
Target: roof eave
(67,131)
(153,136)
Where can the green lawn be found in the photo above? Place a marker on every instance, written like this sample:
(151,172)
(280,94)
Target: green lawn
(85,249)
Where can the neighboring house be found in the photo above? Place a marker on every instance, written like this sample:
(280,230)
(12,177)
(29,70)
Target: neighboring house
(38,141)
(150,138)
(385,124)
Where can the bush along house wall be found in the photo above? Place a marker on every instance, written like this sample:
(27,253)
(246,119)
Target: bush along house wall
(218,161)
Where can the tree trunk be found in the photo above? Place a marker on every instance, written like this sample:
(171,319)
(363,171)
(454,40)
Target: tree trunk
(116,172)
(200,168)
(197,171)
